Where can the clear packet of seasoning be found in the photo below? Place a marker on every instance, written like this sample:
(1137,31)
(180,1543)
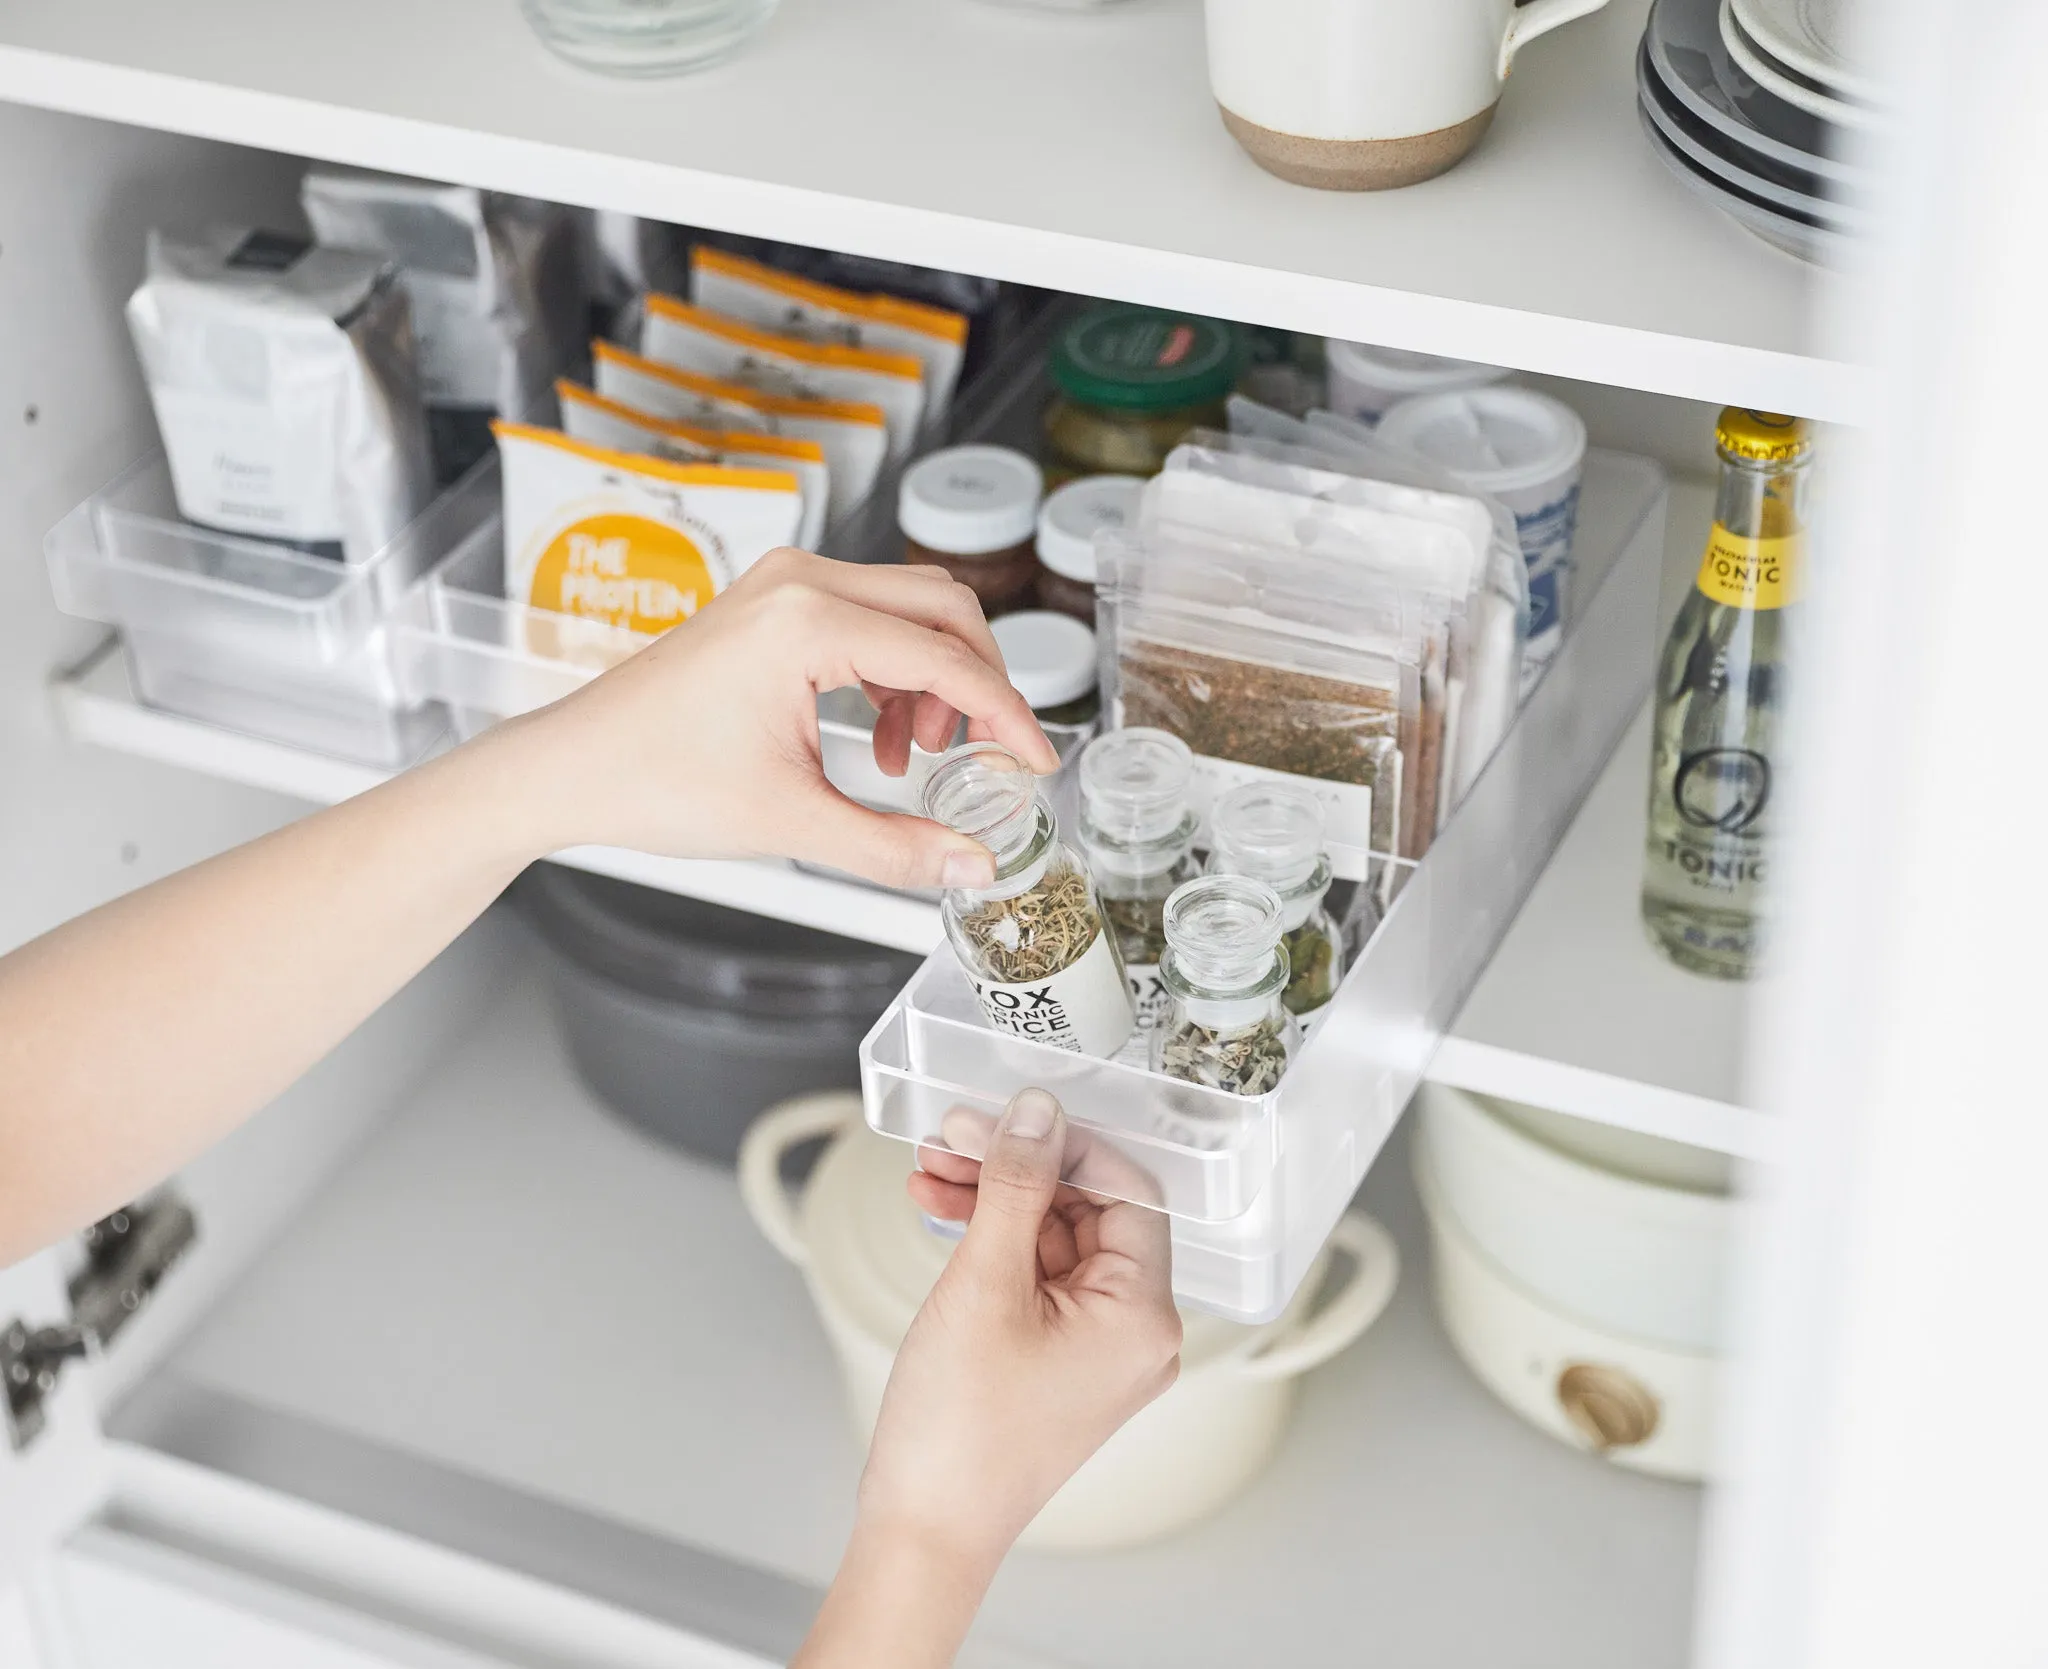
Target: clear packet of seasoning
(1484,692)
(285,386)
(498,286)
(630,540)
(590,417)
(1265,659)
(852,433)
(757,294)
(696,339)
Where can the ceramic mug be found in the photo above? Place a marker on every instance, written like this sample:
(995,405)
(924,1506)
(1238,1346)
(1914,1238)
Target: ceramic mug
(1359,95)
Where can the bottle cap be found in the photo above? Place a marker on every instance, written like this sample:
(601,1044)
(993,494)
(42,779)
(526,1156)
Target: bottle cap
(1134,785)
(985,792)
(1762,437)
(1492,440)
(1075,513)
(970,500)
(1139,359)
(1050,657)
(1223,929)
(1271,831)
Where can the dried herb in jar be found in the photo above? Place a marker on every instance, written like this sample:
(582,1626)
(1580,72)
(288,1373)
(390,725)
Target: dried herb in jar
(1247,1061)
(1036,933)
(1312,965)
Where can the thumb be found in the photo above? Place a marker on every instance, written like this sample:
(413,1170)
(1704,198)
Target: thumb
(896,850)
(1019,1174)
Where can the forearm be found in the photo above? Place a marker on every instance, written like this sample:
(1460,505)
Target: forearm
(139,1033)
(898,1602)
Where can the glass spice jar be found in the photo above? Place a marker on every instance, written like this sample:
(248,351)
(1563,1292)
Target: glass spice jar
(1273,832)
(1067,525)
(1226,1024)
(1033,943)
(1129,383)
(1051,661)
(1138,832)
(973,511)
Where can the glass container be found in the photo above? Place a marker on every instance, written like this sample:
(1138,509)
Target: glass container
(646,37)
(1129,383)
(1067,525)
(1138,832)
(1716,755)
(1273,832)
(1033,943)
(1226,1024)
(973,511)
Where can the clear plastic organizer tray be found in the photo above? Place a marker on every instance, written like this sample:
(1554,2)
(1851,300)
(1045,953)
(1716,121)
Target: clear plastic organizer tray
(253,635)
(462,642)
(1255,1185)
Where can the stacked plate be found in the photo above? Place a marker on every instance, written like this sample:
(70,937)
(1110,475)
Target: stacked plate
(1756,107)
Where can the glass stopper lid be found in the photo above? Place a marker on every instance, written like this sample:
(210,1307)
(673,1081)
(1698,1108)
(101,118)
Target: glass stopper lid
(1271,830)
(984,791)
(1134,783)
(1223,929)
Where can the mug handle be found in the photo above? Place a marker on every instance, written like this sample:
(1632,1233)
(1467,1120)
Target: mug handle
(1335,1319)
(1539,17)
(767,1139)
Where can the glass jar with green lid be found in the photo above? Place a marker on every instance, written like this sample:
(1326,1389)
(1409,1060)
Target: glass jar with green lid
(1128,384)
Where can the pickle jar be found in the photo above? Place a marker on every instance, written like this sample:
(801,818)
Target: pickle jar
(1138,832)
(1033,943)
(1128,384)
(1226,1024)
(1273,832)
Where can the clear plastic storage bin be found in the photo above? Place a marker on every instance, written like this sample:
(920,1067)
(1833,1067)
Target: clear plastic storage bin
(252,635)
(1254,1185)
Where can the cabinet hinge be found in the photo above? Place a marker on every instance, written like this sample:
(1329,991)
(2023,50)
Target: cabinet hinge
(127,1256)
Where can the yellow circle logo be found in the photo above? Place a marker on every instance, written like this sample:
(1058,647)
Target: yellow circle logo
(624,570)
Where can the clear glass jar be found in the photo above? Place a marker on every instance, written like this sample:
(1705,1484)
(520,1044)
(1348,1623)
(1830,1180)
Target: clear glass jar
(1129,383)
(1273,832)
(1034,945)
(1139,834)
(1226,1024)
(646,37)
(973,511)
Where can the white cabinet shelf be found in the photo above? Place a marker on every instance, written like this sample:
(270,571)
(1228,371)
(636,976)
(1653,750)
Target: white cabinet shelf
(1078,152)
(509,1282)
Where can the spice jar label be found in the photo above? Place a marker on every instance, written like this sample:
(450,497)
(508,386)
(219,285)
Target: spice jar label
(1148,993)
(1084,1008)
(1751,573)
(1347,806)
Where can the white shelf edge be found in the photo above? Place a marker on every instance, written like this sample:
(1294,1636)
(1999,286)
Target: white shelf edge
(1544,343)
(95,705)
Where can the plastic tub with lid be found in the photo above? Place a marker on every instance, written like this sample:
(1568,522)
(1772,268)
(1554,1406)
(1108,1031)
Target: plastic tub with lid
(1364,380)
(688,1019)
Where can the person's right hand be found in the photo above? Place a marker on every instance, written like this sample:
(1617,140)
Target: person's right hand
(705,744)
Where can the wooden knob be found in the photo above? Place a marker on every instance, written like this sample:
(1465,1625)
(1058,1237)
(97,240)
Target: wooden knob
(1612,1407)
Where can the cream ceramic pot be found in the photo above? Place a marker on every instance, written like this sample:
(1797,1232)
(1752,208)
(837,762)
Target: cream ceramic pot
(869,1260)
(1358,95)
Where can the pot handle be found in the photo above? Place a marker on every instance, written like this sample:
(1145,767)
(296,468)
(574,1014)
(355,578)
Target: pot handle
(768,1138)
(1340,1312)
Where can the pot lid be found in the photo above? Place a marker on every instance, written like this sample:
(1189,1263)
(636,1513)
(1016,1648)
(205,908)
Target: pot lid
(870,1253)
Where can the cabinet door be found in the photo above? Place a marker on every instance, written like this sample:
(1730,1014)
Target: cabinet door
(53,1465)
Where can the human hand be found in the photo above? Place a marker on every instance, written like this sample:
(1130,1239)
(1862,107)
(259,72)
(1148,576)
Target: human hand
(1052,1325)
(705,744)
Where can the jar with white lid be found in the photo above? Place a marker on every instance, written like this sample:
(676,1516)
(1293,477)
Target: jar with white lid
(1226,1025)
(1033,943)
(973,511)
(1138,832)
(1364,380)
(1072,516)
(1273,832)
(1527,450)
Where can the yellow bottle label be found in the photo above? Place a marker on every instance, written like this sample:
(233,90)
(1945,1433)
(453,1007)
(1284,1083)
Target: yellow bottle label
(1752,573)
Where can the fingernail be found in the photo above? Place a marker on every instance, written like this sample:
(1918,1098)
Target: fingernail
(1030,1114)
(967,869)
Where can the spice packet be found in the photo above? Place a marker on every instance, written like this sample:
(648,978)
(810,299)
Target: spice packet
(1263,659)
(696,339)
(497,285)
(283,380)
(631,541)
(592,418)
(852,433)
(757,294)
